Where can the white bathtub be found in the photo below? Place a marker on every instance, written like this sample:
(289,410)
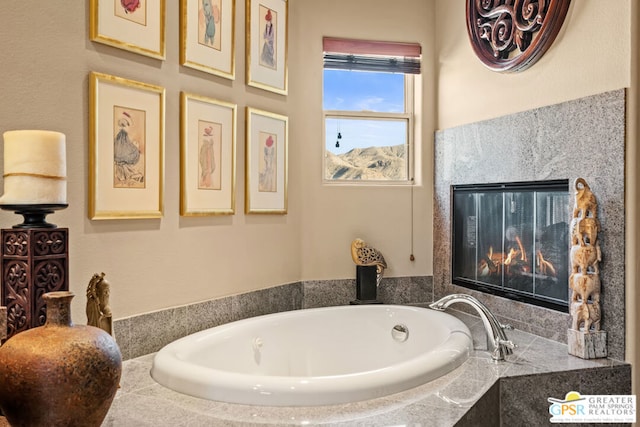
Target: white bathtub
(316,356)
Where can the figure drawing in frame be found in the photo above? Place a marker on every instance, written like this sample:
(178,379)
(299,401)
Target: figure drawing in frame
(209,152)
(209,31)
(129,148)
(267,168)
(131,10)
(268,53)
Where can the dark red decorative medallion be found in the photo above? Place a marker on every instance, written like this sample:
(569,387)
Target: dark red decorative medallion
(512,35)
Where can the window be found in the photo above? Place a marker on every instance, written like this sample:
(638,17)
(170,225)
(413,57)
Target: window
(368,105)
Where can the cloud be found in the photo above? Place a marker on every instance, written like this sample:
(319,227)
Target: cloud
(367,104)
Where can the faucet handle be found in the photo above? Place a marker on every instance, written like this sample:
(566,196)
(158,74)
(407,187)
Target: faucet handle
(507,343)
(508,327)
(502,348)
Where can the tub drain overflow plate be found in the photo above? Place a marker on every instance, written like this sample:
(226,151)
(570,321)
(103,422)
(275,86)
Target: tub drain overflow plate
(400,333)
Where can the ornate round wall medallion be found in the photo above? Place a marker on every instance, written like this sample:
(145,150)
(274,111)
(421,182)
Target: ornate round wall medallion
(511,35)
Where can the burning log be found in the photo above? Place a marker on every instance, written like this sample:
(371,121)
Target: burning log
(495,261)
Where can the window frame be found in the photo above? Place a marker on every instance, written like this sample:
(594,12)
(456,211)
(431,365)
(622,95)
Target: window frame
(408,115)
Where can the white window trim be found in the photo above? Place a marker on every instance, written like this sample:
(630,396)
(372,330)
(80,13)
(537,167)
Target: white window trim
(408,115)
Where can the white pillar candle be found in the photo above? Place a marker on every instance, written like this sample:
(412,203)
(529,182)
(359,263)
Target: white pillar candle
(35,168)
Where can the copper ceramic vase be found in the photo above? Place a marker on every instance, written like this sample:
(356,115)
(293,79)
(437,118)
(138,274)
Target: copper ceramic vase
(59,374)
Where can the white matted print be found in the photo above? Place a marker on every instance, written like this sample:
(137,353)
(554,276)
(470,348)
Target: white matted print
(133,25)
(266,162)
(207,36)
(207,156)
(126,170)
(267,22)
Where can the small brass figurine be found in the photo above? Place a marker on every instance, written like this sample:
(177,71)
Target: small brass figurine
(366,255)
(98,309)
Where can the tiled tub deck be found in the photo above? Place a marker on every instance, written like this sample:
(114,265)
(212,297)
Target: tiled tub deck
(479,393)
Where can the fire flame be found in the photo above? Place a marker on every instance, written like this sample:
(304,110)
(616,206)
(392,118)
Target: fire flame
(545,266)
(523,257)
(517,257)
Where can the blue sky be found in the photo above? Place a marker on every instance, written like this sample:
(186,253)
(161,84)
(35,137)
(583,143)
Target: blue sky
(363,91)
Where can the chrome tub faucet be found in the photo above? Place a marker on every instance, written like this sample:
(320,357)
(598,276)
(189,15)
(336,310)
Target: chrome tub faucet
(497,342)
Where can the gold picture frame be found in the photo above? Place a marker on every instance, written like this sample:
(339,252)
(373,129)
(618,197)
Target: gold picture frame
(126,152)
(134,25)
(266,162)
(266,44)
(207,156)
(207,36)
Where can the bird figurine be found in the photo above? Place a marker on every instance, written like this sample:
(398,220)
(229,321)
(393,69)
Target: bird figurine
(365,255)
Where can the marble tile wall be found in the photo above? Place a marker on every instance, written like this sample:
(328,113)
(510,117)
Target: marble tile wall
(580,138)
(533,405)
(505,400)
(485,412)
(149,332)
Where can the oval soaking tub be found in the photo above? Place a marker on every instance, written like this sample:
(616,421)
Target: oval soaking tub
(315,356)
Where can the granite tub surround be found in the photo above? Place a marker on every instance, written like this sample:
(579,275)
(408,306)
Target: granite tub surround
(536,145)
(480,392)
(149,332)
(392,290)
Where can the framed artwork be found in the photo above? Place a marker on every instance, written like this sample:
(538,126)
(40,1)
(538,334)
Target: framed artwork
(126,154)
(207,156)
(267,45)
(266,162)
(207,36)
(134,25)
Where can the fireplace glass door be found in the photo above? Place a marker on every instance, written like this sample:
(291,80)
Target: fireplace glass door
(513,240)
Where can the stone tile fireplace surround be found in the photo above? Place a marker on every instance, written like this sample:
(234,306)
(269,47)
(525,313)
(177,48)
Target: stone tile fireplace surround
(580,138)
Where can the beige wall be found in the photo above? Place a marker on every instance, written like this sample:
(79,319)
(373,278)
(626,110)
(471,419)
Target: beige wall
(589,56)
(153,264)
(333,216)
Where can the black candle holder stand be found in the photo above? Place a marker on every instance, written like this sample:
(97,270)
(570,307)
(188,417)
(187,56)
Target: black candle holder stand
(366,285)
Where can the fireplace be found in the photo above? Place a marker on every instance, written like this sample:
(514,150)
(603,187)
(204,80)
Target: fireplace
(512,240)
(562,141)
